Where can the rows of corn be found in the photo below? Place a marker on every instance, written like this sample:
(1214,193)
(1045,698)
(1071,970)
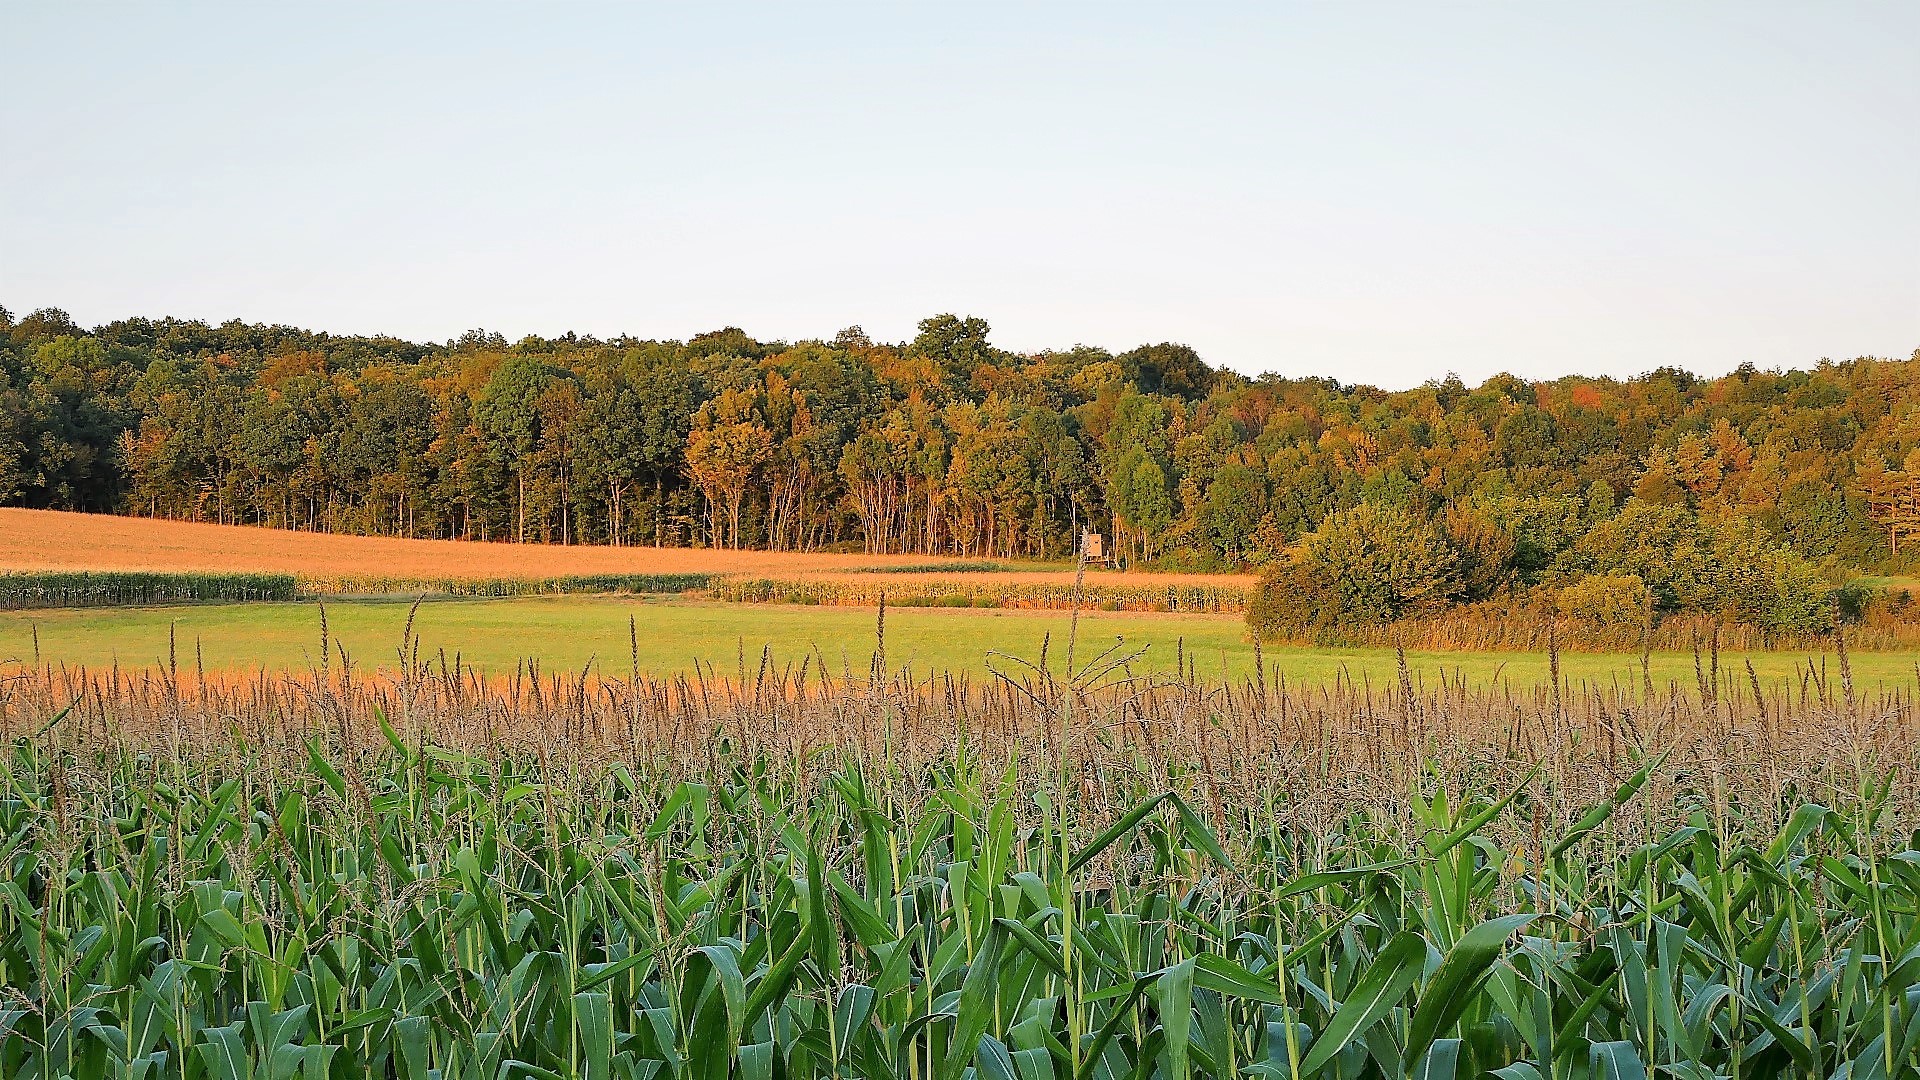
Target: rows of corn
(80,588)
(67,589)
(985,590)
(501,588)
(366,900)
(988,589)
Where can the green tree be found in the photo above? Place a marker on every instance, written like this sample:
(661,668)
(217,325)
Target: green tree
(1142,501)
(1166,368)
(957,347)
(1236,504)
(508,416)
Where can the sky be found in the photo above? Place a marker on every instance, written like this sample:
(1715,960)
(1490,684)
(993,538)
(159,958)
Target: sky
(1376,192)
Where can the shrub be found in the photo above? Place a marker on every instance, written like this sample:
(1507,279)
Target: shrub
(1373,564)
(1780,592)
(1715,564)
(1606,600)
(1853,599)
(1486,545)
(1661,545)
(1752,578)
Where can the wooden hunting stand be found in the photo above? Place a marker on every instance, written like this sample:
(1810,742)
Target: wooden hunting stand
(1093,546)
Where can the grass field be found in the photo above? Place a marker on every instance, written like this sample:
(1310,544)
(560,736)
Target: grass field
(568,632)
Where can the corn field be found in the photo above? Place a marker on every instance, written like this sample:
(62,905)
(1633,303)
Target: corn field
(418,872)
(501,587)
(66,589)
(81,588)
(983,590)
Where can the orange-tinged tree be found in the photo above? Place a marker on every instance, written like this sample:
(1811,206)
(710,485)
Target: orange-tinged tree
(726,449)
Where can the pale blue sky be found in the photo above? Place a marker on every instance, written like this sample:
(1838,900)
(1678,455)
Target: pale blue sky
(1381,193)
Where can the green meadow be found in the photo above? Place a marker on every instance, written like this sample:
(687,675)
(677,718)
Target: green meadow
(672,635)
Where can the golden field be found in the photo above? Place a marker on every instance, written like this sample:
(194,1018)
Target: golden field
(57,540)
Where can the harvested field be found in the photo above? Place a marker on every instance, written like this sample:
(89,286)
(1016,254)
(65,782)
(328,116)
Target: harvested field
(54,540)
(335,563)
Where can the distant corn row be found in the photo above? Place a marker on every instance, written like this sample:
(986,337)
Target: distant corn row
(88,589)
(57,589)
(955,567)
(902,589)
(956,592)
(363,585)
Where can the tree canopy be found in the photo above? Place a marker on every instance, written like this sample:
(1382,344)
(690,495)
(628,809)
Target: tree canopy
(948,444)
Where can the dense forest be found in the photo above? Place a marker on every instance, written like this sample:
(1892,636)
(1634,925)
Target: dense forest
(947,445)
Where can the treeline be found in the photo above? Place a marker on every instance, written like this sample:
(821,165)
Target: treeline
(943,445)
